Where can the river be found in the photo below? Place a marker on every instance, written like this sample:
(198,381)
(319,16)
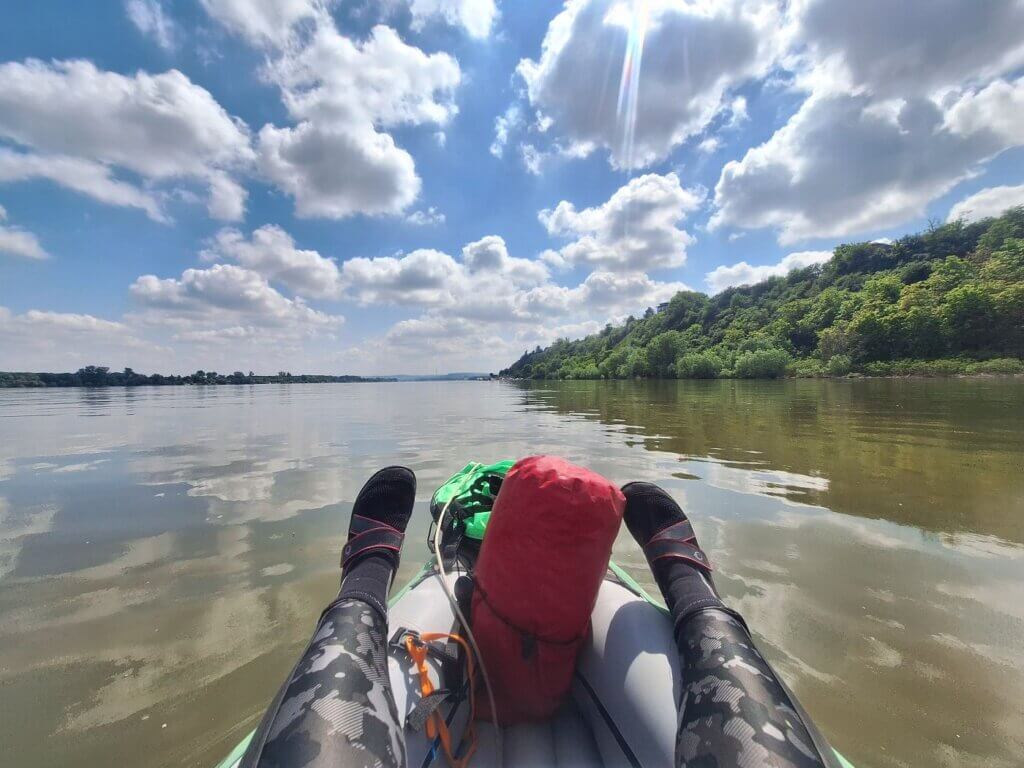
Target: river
(164,552)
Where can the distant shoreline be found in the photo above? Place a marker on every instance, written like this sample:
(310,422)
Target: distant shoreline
(92,377)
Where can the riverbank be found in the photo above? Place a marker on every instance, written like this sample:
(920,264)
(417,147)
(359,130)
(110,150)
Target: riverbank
(815,369)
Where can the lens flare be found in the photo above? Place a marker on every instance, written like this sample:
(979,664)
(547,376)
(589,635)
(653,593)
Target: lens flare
(629,84)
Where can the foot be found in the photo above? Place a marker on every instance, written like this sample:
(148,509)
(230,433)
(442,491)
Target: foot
(660,527)
(379,517)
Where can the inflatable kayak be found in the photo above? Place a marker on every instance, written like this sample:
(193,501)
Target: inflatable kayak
(622,708)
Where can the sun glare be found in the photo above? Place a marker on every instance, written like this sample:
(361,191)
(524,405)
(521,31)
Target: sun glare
(634,16)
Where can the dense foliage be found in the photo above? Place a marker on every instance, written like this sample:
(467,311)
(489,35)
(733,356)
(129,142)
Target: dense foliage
(99,376)
(949,300)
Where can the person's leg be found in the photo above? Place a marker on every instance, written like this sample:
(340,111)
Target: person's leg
(336,708)
(734,708)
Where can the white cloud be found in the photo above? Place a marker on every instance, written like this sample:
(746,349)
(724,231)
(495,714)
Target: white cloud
(915,48)
(439,331)
(264,22)
(533,159)
(40,340)
(847,164)
(743,273)
(83,176)
(636,230)
(158,126)
(429,217)
(424,277)
(66,321)
(994,111)
(616,293)
(336,161)
(149,18)
(272,253)
(227,198)
(544,335)
(19,242)
(693,54)
(489,257)
(475,16)
(485,284)
(474,334)
(903,105)
(738,112)
(226,296)
(338,173)
(709,145)
(380,80)
(504,124)
(987,202)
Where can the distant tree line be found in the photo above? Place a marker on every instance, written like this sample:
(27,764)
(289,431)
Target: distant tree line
(101,376)
(946,301)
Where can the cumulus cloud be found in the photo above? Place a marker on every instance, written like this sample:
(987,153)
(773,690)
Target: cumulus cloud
(336,161)
(474,301)
(504,124)
(337,173)
(846,164)
(424,277)
(904,102)
(428,217)
(475,333)
(19,242)
(636,230)
(694,53)
(475,16)
(489,257)
(743,273)
(149,18)
(35,339)
(67,321)
(483,284)
(227,198)
(271,252)
(226,296)
(159,126)
(264,22)
(987,202)
(83,176)
(913,48)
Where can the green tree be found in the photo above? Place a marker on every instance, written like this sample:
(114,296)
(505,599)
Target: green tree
(762,364)
(662,352)
(970,316)
(698,365)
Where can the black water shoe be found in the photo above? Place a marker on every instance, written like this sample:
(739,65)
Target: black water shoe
(379,517)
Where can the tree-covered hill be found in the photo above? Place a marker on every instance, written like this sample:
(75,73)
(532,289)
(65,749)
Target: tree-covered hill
(948,300)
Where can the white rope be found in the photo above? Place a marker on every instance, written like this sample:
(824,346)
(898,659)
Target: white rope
(469,632)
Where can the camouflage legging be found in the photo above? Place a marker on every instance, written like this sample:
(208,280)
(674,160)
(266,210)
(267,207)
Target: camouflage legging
(337,707)
(734,710)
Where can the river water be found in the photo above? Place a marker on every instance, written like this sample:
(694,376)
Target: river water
(164,552)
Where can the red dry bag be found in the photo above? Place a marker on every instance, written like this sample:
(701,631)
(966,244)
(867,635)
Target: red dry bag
(548,542)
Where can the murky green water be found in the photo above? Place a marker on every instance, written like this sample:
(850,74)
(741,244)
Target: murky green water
(164,552)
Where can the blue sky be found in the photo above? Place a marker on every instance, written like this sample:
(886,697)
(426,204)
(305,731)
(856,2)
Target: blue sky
(418,185)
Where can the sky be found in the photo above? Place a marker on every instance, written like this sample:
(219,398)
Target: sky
(422,186)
